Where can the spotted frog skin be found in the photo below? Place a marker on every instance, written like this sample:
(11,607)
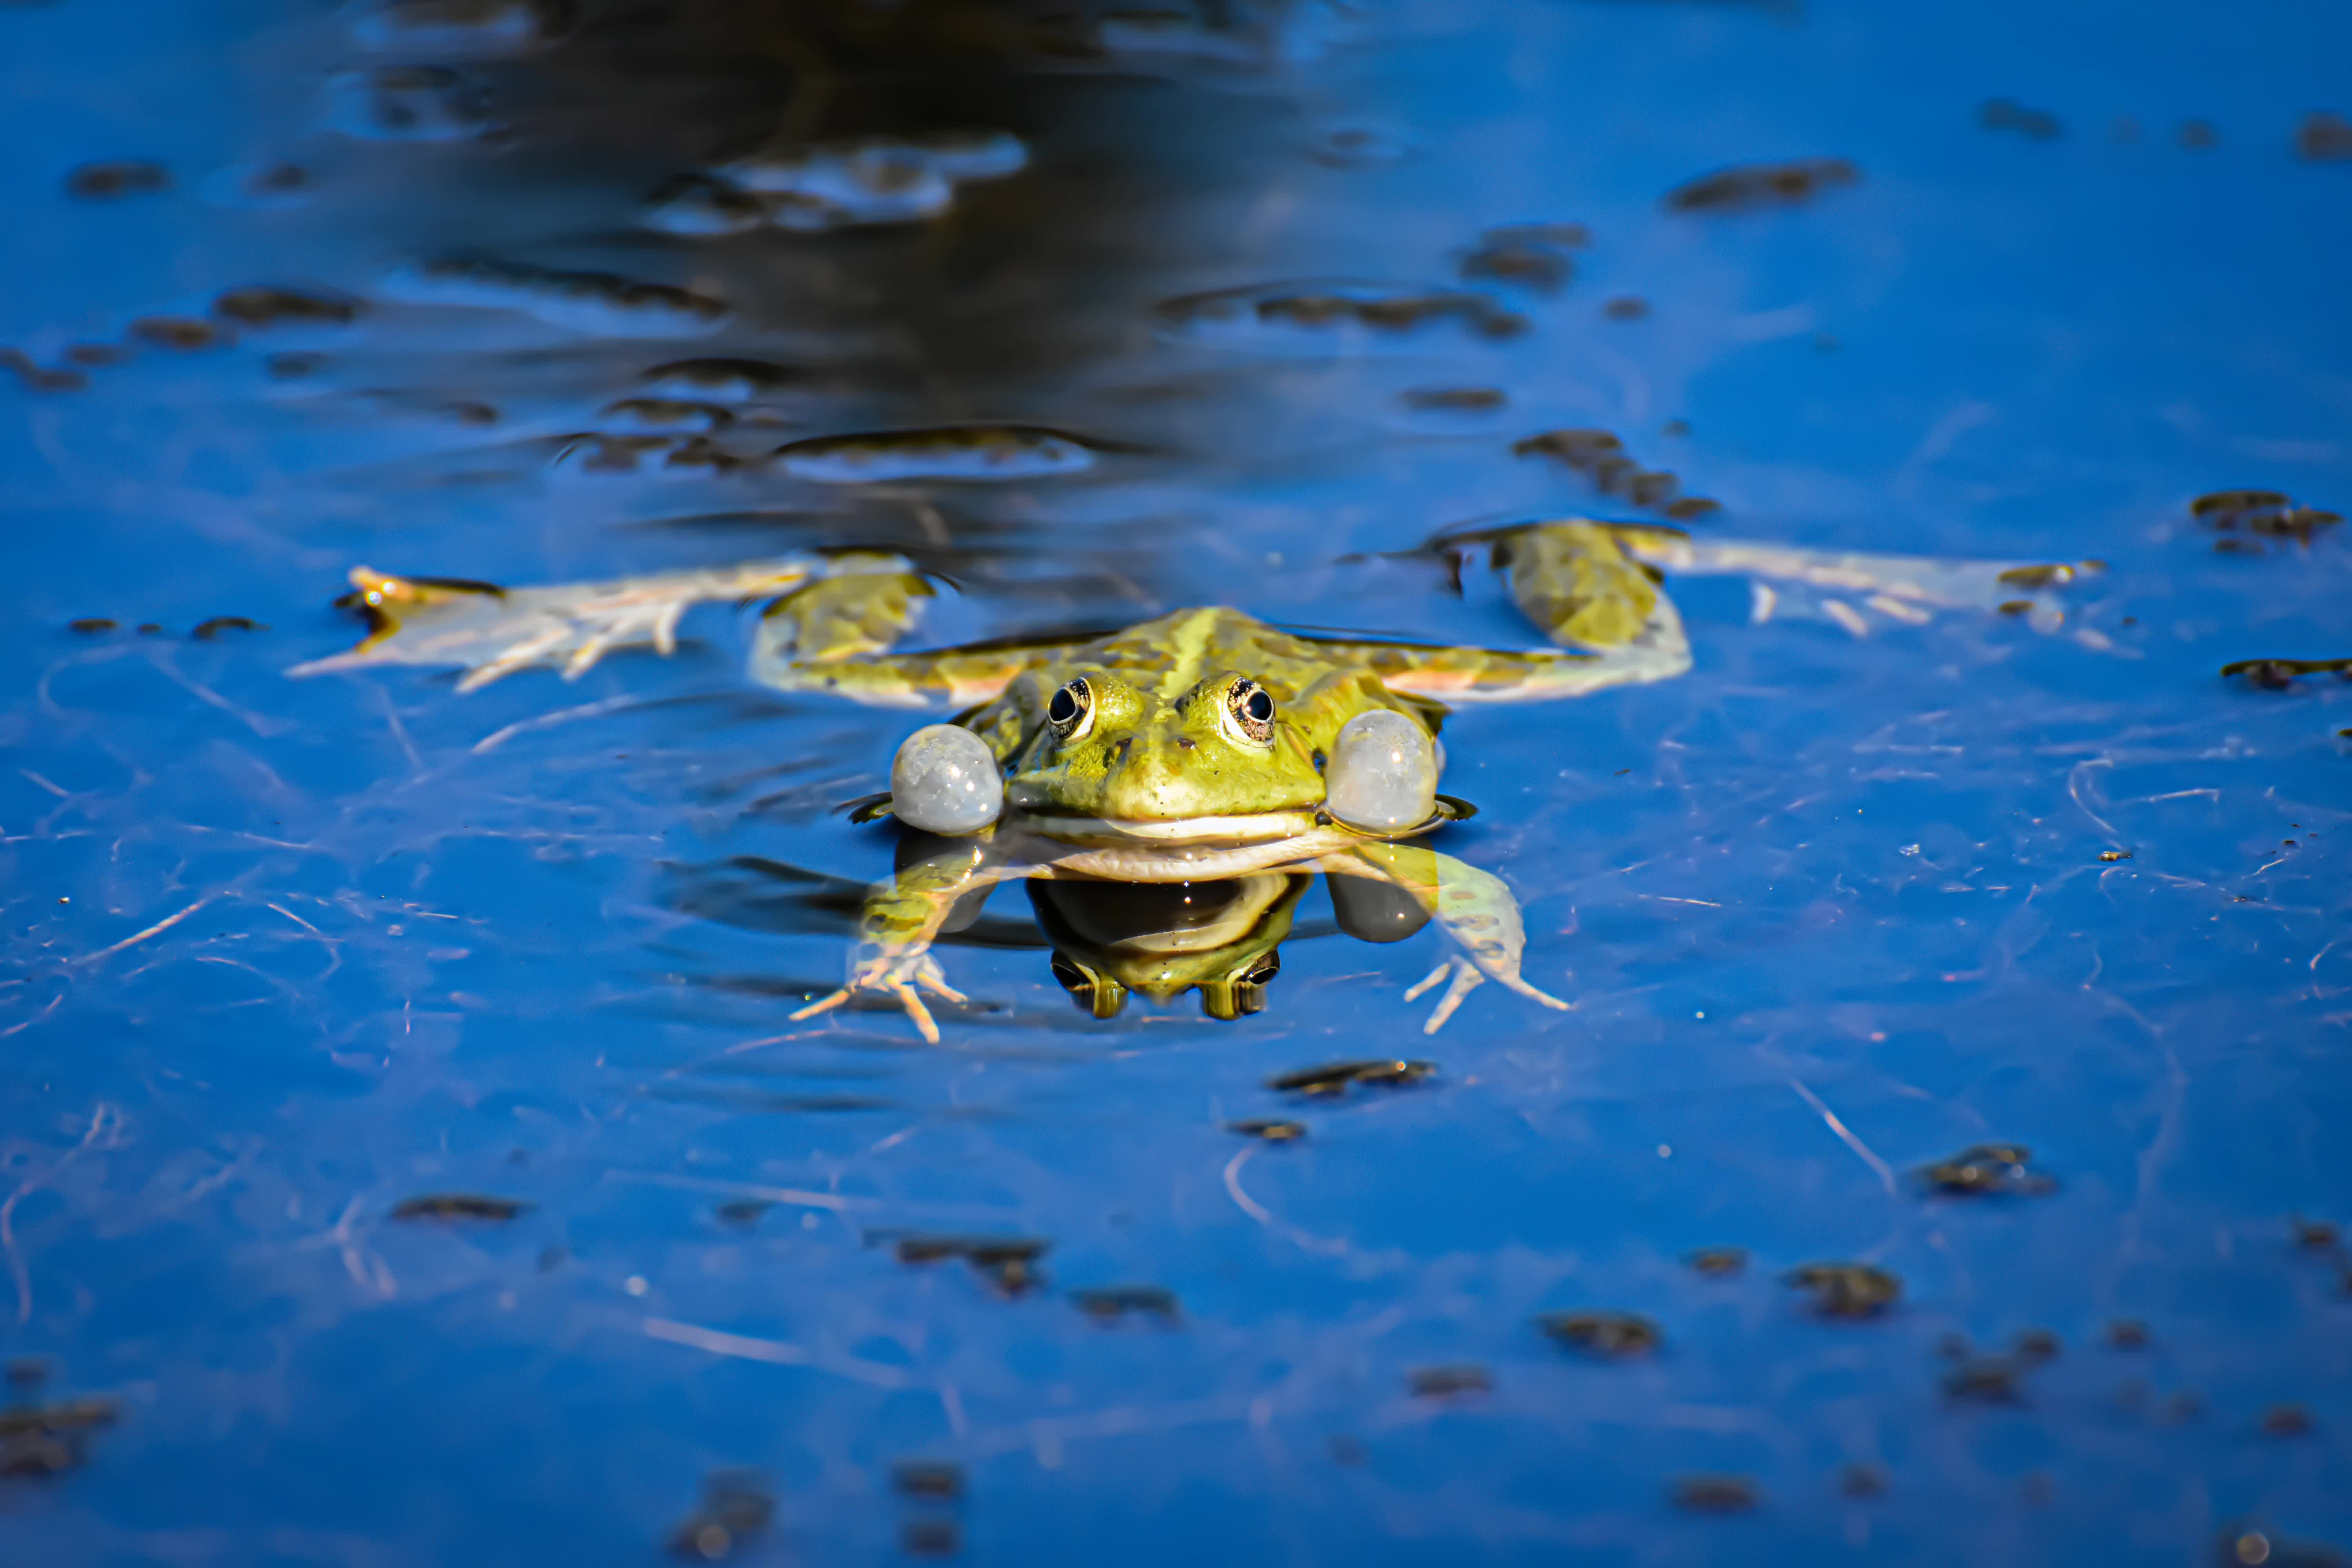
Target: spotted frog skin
(1189,748)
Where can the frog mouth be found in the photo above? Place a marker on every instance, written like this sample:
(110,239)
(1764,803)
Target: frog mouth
(1253,827)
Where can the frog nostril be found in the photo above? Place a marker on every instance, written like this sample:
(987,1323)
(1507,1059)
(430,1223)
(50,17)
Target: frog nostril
(1186,741)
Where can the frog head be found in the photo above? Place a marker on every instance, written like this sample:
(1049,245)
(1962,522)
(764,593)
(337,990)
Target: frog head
(1236,757)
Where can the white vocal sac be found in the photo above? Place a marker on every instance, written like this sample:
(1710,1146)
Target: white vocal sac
(1381,776)
(944,780)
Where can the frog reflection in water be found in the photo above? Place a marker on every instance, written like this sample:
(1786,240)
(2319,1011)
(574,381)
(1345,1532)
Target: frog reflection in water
(1201,746)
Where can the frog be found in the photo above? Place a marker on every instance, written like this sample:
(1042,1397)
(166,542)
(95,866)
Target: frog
(1203,745)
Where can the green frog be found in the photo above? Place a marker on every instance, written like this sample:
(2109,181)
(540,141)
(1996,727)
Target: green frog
(1201,746)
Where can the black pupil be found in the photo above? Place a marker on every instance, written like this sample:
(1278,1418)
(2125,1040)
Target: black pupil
(1063,708)
(1259,706)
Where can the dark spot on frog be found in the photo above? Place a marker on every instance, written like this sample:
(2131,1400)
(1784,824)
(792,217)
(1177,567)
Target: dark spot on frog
(743,1211)
(1717,1262)
(1334,1079)
(123,177)
(1626,308)
(2288,1421)
(736,1506)
(1186,741)
(90,625)
(208,630)
(1007,1262)
(931,1480)
(2323,138)
(1605,1336)
(459,1206)
(2007,114)
(1758,187)
(930,1538)
(1715,1494)
(1859,1480)
(1271,1131)
(1447,1382)
(1988,1170)
(1846,1289)
(267,307)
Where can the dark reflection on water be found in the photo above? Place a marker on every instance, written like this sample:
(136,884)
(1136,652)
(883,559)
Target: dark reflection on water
(408,1154)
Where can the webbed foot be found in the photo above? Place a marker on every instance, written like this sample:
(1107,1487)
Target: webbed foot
(1466,977)
(897,975)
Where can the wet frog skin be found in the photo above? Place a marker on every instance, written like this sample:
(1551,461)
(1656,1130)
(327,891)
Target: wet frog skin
(1189,748)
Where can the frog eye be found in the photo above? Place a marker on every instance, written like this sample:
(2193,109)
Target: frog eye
(1072,710)
(1249,713)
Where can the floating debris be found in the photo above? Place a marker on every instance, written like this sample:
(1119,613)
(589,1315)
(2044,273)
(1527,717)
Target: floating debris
(2323,138)
(1716,1494)
(1108,1306)
(2007,114)
(1516,256)
(2279,674)
(90,625)
(833,184)
(1319,308)
(257,186)
(696,207)
(26,1372)
(594,452)
(1270,1132)
(1758,187)
(208,630)
(1990,1379)
(930,1538)
(1606,1336)
(1860,1480)
(1846,1289)
(1718,1262)
(1626,308)
(459,1206)
(667,414)
(406,103)
(36,377)
(445,28)
(1009,1262)
(931,1480)
(736,1506)
(2198,135)
(1454,399)
(2289,1421)
(2128,1334)
(2269,513)
(2245,1547)
(1386,1072)
(1446,1382)
(1358,147)
(1988,1170)
(2315,1235)
(270,307)
(2112,856)
(1600,458)
(966,452)
(727,380)
(595,303)
(122,177)
(743,1211)
(41,1440)
(181,334)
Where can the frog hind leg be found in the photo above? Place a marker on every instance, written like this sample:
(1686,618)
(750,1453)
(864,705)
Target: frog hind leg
(1579,584)
(1861,591)
(1473,909)
(491,632)
(901,919)
(834,635)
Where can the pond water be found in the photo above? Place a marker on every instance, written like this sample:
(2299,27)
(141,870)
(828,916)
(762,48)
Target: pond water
(408,1152)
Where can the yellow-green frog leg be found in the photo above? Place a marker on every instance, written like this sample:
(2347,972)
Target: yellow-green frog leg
(1576,582)
(1473,907)
(901,919)
(490,631)
(834,635)
(1856,591)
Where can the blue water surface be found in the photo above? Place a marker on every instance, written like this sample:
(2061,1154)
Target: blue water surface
(280,954)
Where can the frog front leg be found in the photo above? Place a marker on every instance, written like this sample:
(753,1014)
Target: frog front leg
(902,918)
(1471,906)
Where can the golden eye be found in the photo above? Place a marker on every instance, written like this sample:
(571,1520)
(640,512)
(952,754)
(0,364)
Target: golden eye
(1072,710)
(1249,711)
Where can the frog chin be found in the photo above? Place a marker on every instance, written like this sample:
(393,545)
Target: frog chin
(1233,830)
